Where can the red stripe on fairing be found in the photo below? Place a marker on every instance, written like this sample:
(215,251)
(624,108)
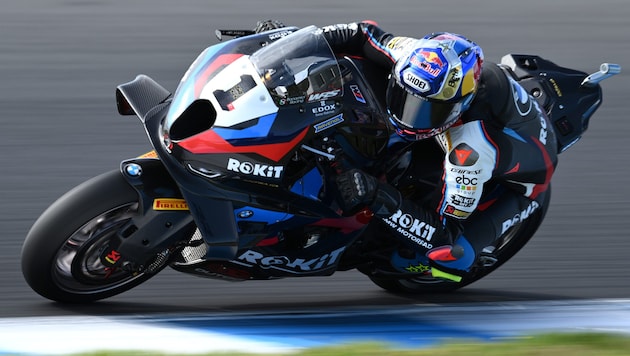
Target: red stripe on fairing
(222,60)
(540,188)
(210,142)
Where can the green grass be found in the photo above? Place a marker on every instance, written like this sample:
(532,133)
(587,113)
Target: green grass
(559,344)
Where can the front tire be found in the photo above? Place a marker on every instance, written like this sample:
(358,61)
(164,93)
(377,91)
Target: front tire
(61,253)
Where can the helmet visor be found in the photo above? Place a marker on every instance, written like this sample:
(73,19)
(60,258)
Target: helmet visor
(418,114)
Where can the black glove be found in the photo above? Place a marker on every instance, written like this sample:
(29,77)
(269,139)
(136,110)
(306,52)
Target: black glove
(262,26)
(358,189)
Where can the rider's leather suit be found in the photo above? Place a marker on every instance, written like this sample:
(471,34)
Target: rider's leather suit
(498,159)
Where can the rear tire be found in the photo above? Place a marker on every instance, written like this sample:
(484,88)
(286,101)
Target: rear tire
(61,253)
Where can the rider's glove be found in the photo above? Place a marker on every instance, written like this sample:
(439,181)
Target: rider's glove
(262,26)
(358,189)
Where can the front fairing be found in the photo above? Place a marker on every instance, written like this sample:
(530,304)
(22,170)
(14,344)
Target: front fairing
(240,113)
(235,119)
(244,91)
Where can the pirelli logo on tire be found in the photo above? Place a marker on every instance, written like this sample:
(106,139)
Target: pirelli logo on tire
(170,204)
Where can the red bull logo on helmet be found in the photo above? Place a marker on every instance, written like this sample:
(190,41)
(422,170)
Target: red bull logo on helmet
(428,60)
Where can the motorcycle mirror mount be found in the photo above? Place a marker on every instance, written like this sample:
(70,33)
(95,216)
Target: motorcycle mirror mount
(606,70)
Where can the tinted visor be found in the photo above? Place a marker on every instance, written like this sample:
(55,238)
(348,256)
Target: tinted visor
(415,113)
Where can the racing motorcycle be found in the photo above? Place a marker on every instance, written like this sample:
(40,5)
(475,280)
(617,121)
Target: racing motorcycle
(240,184)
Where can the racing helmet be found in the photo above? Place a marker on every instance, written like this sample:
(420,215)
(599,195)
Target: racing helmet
(431,86)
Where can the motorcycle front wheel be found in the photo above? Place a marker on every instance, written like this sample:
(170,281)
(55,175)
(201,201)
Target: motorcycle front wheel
(61,253)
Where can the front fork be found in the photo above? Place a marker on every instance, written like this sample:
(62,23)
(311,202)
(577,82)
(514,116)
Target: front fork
(161,220)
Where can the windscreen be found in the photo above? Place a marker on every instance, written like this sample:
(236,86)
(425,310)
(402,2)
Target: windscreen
(299,68)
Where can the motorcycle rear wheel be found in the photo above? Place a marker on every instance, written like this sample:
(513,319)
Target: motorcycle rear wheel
(61,253)
(506,247)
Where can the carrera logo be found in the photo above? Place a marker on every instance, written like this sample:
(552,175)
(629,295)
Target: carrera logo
(169,204)
(254,169)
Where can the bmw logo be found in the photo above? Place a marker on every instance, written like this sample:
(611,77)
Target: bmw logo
(244,214)
(133,170)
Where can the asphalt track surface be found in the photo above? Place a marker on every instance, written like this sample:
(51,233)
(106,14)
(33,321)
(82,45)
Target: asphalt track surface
(60,61)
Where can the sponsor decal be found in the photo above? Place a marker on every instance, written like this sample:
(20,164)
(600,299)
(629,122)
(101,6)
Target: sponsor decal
(277,35)
(464,180)
(428,61)
(169,204)
(342,26)
(462,201)
(324,95)
(133,169)
(542,136)
(328,123)
(468,188)
(458,170)
(416,82)
(420,268)
(507,224)
(454,78)
(291,100)
(456,213)
(521,98)
(555,87)
(393,42)
(244,214)
(324,108)
(358,96)
(415,230)
(254,169)
(112,257)
(432,57)
(398,43)
(445,141)
(150,154)
(284,263)
(463,155)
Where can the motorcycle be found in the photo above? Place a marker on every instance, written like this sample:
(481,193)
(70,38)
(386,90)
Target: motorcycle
(240,183)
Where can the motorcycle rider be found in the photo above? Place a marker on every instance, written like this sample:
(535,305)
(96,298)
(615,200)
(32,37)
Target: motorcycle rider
(499,150)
